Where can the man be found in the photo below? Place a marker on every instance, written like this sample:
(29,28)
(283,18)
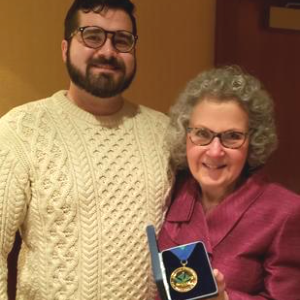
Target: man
(84,171)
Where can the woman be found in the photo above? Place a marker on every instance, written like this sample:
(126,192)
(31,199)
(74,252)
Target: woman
(222,133)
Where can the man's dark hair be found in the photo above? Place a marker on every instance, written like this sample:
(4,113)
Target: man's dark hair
(86,6)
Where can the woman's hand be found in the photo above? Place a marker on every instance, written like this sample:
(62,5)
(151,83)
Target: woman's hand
(221,286)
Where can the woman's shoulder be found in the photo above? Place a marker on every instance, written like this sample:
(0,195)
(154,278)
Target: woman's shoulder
(281,198)
(279,191)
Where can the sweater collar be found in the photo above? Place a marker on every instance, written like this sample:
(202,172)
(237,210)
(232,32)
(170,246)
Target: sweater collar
(67,106)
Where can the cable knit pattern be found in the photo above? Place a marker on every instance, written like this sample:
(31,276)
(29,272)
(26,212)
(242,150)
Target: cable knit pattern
(81,189)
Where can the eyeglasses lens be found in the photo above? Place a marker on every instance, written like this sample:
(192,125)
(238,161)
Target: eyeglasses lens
(229,139)
(123,41)
(232,139)
(95,37)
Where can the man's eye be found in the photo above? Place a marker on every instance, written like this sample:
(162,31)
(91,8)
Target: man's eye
(93,37)
(122,38)
(122,41)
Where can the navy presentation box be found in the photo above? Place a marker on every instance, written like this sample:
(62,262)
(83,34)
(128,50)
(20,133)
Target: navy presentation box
(183,272)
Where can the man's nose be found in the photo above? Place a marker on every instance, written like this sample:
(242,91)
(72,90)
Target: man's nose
(107,49)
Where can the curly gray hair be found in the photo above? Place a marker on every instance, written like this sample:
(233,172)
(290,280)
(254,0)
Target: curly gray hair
(225,84)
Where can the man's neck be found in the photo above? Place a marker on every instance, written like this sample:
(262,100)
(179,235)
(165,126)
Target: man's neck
(95,105)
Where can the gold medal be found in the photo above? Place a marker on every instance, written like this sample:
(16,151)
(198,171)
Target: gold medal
(183,279)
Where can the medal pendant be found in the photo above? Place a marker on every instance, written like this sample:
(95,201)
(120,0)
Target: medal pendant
(183,279)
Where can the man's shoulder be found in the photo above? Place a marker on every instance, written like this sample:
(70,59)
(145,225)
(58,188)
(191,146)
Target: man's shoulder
(155,115)
(23,119)
(27,109)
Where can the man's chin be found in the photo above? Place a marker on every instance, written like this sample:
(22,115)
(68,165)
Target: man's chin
(103,93)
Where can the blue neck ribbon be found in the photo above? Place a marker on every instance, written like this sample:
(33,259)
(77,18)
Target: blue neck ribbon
(183,252)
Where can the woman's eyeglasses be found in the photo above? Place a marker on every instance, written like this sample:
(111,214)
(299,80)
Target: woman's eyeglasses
(229,139)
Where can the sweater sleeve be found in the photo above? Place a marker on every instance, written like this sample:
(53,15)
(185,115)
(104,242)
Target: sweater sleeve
(14,194)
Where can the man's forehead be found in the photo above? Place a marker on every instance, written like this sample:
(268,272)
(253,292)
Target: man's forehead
(111,17)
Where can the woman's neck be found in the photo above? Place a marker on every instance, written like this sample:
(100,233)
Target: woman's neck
(212,198)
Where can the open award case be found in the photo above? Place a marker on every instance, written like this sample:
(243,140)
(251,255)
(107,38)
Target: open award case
(183,272)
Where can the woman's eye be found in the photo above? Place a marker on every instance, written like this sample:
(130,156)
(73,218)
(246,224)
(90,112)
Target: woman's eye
(233,135)
(203,133)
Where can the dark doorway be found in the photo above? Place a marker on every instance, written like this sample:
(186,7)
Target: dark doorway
(244,37)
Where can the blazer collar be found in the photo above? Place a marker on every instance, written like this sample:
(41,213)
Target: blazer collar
(212,228)
(228,213)
(186,220)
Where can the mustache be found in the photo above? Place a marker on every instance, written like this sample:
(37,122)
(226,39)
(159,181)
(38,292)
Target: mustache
(112,61)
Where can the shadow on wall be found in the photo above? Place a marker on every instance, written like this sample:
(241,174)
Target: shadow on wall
(13,89)
(30,59)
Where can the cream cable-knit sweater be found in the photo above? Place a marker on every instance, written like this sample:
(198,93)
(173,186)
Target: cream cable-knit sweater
(82,190)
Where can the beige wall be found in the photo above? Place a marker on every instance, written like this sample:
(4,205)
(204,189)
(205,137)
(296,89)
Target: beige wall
(30,59)
(176,41)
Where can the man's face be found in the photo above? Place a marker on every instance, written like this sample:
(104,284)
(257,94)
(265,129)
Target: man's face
(103,72)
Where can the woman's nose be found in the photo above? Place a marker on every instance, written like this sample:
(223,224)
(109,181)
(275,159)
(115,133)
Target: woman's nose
(215,148)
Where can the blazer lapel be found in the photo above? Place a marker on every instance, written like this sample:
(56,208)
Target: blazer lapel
(228,213)
(186,220)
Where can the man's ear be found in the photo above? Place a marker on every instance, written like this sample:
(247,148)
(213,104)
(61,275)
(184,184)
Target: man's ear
(64,50)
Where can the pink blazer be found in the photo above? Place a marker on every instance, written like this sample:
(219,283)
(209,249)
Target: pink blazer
(253,237)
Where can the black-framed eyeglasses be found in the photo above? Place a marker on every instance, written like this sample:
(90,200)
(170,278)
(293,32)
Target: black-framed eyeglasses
(95,37)
(229,139)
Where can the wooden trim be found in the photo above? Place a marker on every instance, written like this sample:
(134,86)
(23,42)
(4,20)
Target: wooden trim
(284,18)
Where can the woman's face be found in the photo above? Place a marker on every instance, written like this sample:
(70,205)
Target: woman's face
(214,166)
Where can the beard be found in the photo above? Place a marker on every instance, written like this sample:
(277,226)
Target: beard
(102,85)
